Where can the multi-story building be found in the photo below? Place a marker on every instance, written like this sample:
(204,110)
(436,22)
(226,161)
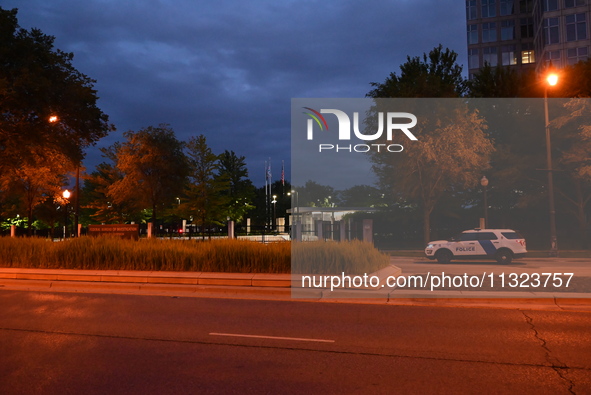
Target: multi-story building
(526,34)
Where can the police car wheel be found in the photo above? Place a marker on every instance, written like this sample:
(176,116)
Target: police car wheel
(444,256)
(504,256)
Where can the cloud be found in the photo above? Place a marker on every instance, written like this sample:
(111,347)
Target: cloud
(228,69)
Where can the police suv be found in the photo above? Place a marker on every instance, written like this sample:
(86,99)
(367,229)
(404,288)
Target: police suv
(500,244)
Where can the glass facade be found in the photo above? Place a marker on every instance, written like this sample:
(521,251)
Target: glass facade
(527,34)
(576,27)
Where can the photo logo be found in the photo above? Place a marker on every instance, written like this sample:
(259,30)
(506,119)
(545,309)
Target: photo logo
(391,119)
(316,116)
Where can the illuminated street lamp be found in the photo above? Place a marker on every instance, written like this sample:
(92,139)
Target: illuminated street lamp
(66,194)
(484,183)
(53,119)
(552,80)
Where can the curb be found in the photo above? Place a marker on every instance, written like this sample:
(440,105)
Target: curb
(269,287)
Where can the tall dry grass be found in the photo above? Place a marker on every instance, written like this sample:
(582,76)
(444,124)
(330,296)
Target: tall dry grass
(102,253)
(223,255)
(351,257)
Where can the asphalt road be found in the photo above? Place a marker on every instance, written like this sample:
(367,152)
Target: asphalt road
(63,343)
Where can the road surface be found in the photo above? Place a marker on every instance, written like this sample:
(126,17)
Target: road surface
(65,343)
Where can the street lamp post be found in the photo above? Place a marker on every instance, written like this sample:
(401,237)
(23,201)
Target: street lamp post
(274,201)
(66,194)
(297,234)
(552,80)
(55,119)
(484,183)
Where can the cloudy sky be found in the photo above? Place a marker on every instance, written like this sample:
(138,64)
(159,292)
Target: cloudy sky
(228,69)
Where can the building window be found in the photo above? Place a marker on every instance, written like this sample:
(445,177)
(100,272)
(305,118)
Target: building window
(527,53)
(489,32)
(473,61)
(472,34)
(488,8)
(508,30)
(574,3)
(489,55)
(506,7)
(551,35)
(553,57)
(576,55)
(549,5)
(527,27)
(526,6)
(576,27)
(508,56)
(471,10)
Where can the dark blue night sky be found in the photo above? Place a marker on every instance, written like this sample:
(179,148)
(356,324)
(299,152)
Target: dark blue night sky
(228,69)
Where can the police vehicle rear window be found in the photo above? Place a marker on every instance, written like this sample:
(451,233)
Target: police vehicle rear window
(512,235)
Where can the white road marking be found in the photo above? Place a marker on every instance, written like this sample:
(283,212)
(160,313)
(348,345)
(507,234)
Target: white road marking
(272,337)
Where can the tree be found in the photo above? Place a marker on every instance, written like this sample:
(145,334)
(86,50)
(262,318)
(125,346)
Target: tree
(573,140)
(451,152)
(36,82)
(204,199)
(452,147)
(240,191)
(434,75)
(503,82)
(154,167)
(98,197)
(362,196)
(32,183)
(315,195)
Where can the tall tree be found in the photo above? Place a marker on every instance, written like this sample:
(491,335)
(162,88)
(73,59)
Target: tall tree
(436,74)
(451,152)
(37,82)
(97,195)
(204,199)
(240,191)
(452,147)
(154,167)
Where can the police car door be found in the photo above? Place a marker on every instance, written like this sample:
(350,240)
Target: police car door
(489,242)
(467,245)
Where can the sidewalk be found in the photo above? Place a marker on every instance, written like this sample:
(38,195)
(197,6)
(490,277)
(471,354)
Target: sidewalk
(268,287)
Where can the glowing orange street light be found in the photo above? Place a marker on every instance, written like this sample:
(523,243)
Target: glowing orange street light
(66,194)
(552,79)
(53,119)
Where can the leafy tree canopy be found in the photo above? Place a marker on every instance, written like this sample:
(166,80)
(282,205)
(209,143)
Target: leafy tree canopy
(435,74)
(37,82)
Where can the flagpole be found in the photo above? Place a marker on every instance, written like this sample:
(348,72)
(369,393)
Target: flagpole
(266,196)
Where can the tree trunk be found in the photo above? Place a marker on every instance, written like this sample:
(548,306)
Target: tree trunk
(30,221)
(427,225)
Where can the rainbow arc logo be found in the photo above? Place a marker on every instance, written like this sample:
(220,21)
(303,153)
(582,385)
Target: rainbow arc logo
(316,116)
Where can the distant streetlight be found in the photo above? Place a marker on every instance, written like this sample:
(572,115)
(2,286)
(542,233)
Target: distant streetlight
(484,183)
(66,195)
(53,119)
(552,80)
